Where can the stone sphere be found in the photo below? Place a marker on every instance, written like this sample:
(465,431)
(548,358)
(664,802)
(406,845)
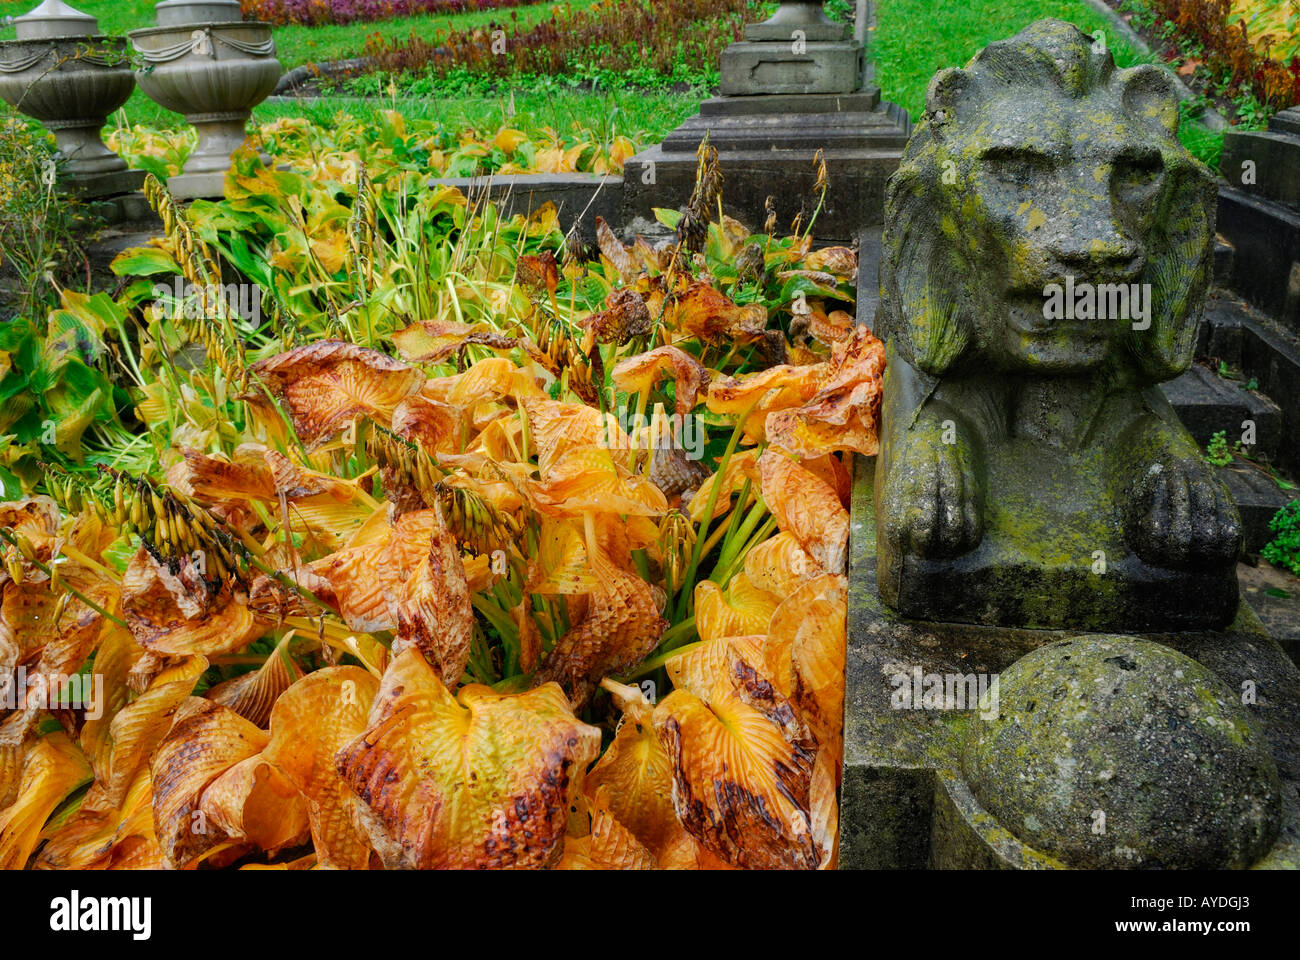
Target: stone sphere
(1115,752)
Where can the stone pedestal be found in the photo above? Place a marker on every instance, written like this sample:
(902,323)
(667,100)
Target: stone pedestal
(792,87)
(1145,756)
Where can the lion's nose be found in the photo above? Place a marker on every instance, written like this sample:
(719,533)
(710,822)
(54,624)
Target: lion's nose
(1109,253)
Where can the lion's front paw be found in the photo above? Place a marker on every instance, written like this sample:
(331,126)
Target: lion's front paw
(1183,516)
(933,501)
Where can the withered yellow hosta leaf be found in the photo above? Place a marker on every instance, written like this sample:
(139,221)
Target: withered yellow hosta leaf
(775,388)
(430,423)
(560,564)
(609,846)
(53,768)
(475,780)
(591,480)
(742,609)
(165,616)
(742,466)
(137,728)
(634,778)
(114,656)
(817,657)
(434,611)
(327,384)
(845,412)
(805,506)
(253,694)
(254,802)
(742,767)
(778,565)
(106,835)
(427,338)
(558,428)
(841,261)
(206,740)
(789,618)
(831,328)
(621,627)
(701,666)
(311,721)
(208,477)
(641,372)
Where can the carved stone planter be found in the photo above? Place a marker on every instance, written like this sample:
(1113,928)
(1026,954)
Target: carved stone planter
(64,73)
(214,71)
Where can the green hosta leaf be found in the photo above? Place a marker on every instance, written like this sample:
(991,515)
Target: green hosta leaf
(668,218)
(143,262)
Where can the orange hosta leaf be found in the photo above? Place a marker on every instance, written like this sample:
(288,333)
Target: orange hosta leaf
(775,388)
(137,728)
(428,338)
(311,721)
(845,413)
(206,740)
(743,609)
(434,611)
(703,312)
(634,779)
(102,834)
(641,372)
(26,618)
(479,779)
(742,768)
(778,565)
(53,768)
(621,627)
(699,667)
(116,652)
(841,261)
(538,271)
(253,694)
(560,564)
(817,658)
(805,506)
(830,468)
(433,425)
(165,616)
(558,428)
(207,477)
(254,802)
(590,480)
(325,385)
(799,607)
(832,328)
(742,466)
(610,846)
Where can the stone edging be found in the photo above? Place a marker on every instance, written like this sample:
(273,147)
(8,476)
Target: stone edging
(1210,118)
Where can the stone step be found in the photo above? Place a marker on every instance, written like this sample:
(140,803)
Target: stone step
(1208,403)
(1274,595)
(1264,349)
(1258,498)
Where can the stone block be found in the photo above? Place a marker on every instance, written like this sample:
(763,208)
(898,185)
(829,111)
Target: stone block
(774,68)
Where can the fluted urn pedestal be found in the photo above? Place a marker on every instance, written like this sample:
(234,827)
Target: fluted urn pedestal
(68,76)
(204,62)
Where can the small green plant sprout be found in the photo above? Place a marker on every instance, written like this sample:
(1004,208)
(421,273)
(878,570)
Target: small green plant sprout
(1216,451)
(1284,549)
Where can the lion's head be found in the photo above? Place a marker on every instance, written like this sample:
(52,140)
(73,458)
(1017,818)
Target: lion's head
(1037,162)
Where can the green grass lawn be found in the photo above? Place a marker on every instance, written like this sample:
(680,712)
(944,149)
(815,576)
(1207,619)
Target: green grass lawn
(645,117)
(915,38)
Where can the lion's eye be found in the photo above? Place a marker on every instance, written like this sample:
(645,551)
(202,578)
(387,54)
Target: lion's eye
(1139,175)
(1017,165)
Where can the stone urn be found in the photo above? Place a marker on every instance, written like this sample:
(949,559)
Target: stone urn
(204,62)
(67,75)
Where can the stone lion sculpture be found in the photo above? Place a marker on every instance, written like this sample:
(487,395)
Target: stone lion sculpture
(1048,244)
